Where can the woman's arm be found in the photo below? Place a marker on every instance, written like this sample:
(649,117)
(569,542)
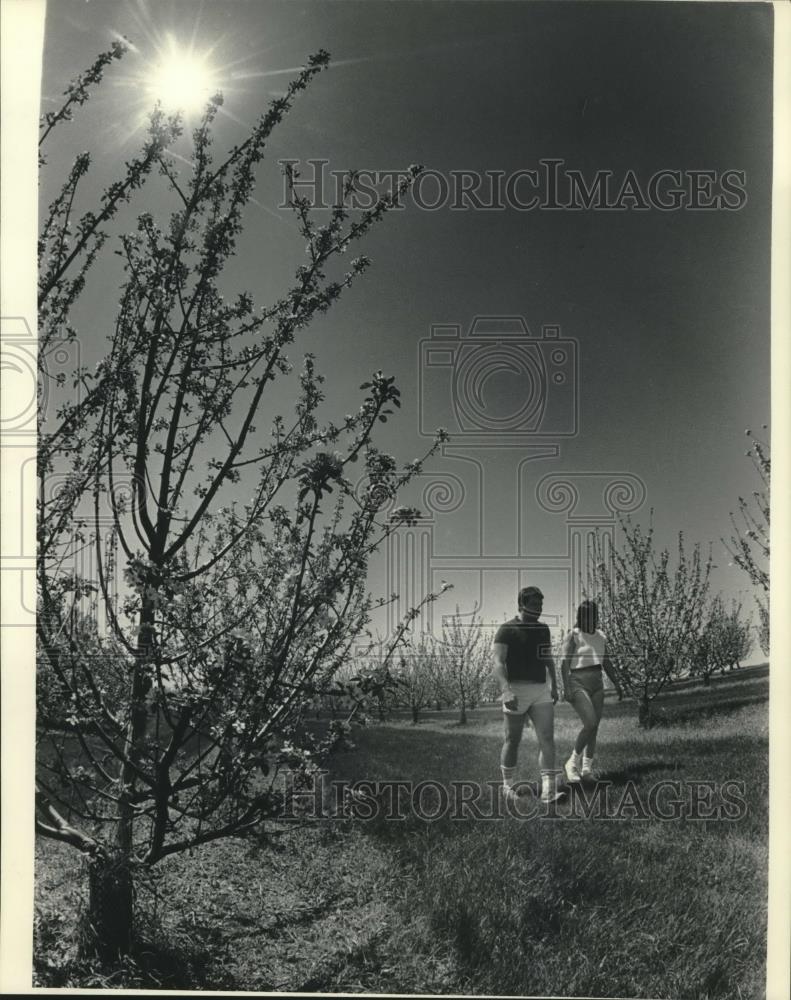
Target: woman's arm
(565,664)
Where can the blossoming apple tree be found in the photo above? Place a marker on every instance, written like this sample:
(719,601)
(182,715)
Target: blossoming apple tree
(242,536)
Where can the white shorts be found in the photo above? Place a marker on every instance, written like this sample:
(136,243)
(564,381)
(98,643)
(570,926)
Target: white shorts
(527,695)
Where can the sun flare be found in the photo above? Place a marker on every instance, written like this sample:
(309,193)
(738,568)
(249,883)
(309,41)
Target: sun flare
(182,80)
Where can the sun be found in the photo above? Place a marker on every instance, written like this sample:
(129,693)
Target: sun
(181,79)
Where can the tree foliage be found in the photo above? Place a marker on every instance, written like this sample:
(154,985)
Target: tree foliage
(749,543)
(417,674)
(464,660)
(724,640)
(651,609)
(240,537)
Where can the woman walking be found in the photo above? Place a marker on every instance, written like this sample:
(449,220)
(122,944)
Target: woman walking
(584,658)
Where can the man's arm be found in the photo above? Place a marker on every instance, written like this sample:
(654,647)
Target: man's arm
(500,671)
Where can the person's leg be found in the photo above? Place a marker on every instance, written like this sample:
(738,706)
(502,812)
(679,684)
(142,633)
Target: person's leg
(585,709)
(580,700)
(543,718)
(597,701)
(512,727)
(542,715)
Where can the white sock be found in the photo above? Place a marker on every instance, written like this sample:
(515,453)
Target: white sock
(587,762)
(509,773)
(576,759)
(548,781)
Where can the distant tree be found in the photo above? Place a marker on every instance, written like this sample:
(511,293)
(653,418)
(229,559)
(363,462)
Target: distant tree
(651,611)
(416,674)
(724,640)
(491,689)
(749,543)
(464,661)
(243,550)
(442,694)
(393,671)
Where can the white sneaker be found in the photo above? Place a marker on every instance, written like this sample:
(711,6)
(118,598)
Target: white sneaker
(552,794)
(549,788)
(572,770)
(587,767)
(510,794)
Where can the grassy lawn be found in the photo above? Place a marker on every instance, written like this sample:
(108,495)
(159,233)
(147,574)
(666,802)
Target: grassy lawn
(550,904)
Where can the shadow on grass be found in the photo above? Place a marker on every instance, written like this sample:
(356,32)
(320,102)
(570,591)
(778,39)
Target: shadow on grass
(157,964)
(182,965)
(727,706)
(624,774)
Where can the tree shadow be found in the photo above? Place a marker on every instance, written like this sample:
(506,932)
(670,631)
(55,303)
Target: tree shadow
(169,965)
(693,713)
(152,964)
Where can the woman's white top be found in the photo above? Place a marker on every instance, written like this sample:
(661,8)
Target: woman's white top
(588,649)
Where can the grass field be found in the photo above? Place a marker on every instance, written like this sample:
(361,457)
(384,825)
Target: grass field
(554,903)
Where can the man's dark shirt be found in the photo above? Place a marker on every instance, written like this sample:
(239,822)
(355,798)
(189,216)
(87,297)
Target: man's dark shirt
(529,650)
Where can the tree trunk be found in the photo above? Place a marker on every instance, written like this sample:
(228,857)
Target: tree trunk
(707,679)
(136,729)
(415,711)
(463,715)
(644,712)
(110,917)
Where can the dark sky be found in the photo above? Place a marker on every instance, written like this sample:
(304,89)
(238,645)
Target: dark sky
(670,310)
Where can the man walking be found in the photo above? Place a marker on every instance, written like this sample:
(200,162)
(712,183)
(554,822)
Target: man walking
(525,670)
